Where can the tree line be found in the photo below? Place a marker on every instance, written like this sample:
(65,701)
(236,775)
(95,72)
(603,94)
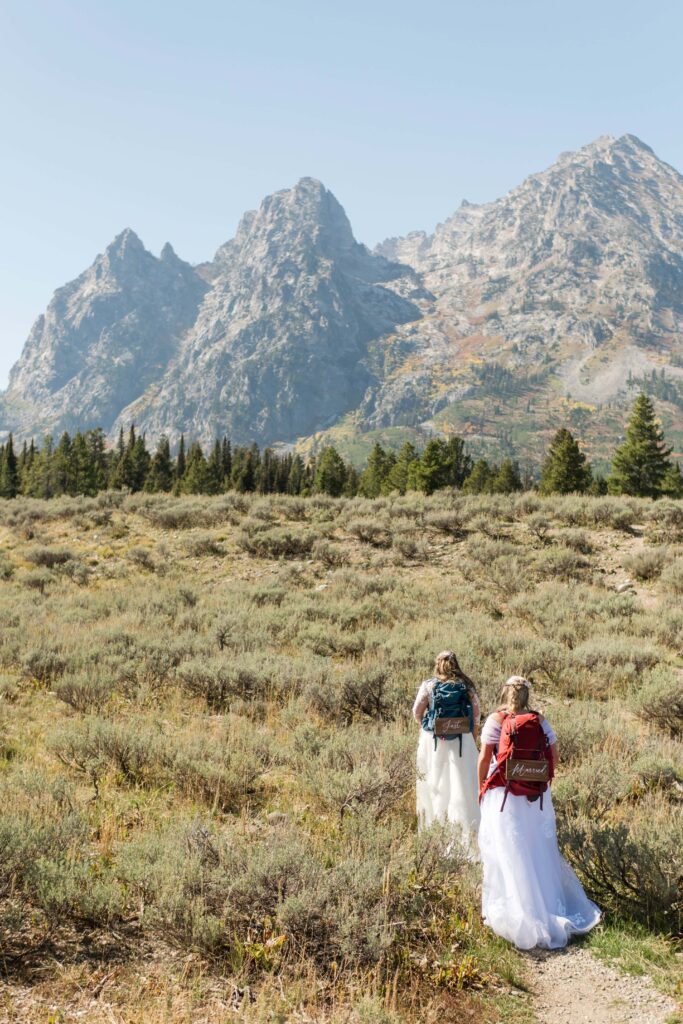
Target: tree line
(83,464)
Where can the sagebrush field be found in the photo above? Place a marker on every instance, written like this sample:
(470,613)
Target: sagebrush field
(207,753)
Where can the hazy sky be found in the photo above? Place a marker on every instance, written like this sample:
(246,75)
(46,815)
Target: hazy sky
(174,117)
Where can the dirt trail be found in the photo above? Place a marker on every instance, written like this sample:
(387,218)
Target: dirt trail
(571,987)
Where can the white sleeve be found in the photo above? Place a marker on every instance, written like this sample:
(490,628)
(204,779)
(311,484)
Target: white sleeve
(422,694)
(549,731)
(490,734)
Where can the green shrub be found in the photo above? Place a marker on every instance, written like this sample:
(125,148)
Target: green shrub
(582,728)
(142,558)
(219,682)
(77,572)
(577,540)
(332,555)
(560,562)
(38,579)
(451,522)
(353,769)
(371,531)
(660,700)
(363,692)
(84,692)
(539,525)
(667,520)
(44,664)
(7,568)
(48,558)
(646,564)
(654,771)
(672,577)
(277,543)
(203,544)
(634,873)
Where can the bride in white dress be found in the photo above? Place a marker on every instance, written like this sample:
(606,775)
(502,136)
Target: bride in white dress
(530,895)
(447,778)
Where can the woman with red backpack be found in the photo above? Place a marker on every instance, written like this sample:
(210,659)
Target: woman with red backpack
(530,894)
(447,707)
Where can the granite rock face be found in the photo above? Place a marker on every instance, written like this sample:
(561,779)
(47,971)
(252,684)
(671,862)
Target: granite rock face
(566,292)
(104,338)
(579,271)
(280,344)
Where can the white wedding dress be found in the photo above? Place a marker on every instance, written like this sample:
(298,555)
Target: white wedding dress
(530,894)
(447,782)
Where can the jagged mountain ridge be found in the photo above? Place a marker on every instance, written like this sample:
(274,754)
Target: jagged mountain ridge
(577,272)
(280,343)
(267,342)
(512,317)
(103,339)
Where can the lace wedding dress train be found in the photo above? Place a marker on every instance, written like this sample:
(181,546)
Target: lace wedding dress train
(447,786)
(531,896)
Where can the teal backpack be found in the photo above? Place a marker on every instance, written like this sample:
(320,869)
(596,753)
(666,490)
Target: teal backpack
(450,713)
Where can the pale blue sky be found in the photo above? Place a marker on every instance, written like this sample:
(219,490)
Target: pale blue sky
(173,118)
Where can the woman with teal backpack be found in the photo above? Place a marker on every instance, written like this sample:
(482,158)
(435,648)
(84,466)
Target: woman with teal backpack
(448,709)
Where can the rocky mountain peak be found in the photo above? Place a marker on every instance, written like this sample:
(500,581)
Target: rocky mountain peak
(569,288)
(281,340)
(104,338)
(169,255)
(125,246)
(304,216)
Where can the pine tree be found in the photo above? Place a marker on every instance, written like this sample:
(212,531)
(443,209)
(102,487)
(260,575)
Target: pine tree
(214,470)
(398,477)
(507,478)
(435,466)
(139,463)
(26,466)
(243,476)
(295,480)
(63,466)
(196,477)
(226,460)
(351,482)
(181,463)
(284,468)
(267,472)
(565,469)
(97,448)
(41,480)
(9,471)
(377,469)
(640,464)
(81,467)
(160,476)
(480,478)
(457,461)
(672,482)
(330,474)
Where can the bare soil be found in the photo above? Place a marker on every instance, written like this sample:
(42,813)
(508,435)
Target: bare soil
(571,987)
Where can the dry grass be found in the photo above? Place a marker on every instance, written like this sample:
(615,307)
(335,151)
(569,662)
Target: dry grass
(206,746)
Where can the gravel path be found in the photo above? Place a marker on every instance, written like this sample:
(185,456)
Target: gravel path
(571,987)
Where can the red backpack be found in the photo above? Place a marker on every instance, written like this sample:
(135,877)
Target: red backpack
(524,764)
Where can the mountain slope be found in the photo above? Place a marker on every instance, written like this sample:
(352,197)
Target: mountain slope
(572,285)
(103,339)
(547,307)
(280,345)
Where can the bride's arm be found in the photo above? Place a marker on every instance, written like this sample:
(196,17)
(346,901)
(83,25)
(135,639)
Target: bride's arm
(421,703)
(485,755)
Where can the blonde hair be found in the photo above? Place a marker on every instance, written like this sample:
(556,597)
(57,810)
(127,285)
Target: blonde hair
(446,667)
(514,695)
